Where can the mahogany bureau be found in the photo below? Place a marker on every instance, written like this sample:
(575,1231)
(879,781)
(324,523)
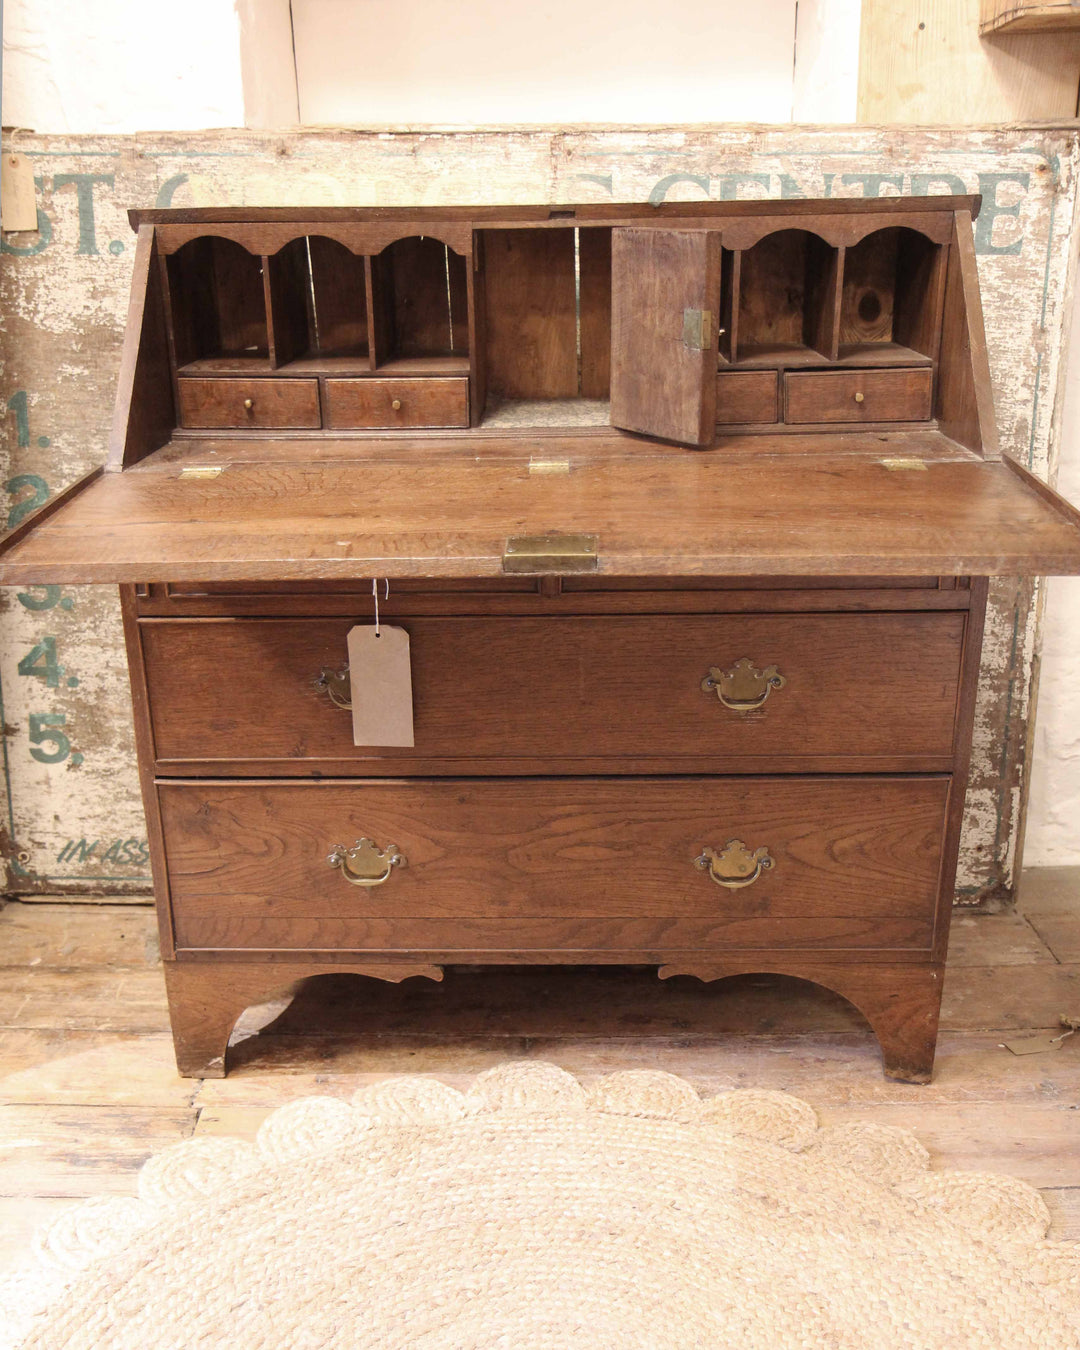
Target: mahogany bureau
(687,513)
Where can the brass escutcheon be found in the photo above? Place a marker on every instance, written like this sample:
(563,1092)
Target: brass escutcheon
(335,684)
(743,687)
(734,866)
(365,864)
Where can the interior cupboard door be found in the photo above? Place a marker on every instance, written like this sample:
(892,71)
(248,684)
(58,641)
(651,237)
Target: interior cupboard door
(665,300)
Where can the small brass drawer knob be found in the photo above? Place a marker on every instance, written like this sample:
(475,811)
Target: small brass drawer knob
(743,687)
(860,397)
(396,404)
(249,403)
(336,685)
(734,866)
(365,864)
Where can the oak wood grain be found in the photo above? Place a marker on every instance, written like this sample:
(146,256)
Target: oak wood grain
(419,403)
(661,384)
(858,686)
(857,396)
(249,403)
(557,864)
(530,313)
(144,415)
(721,514)
(746,396)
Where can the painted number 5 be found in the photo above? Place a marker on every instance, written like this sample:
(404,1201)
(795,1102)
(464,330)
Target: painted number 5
(42,728)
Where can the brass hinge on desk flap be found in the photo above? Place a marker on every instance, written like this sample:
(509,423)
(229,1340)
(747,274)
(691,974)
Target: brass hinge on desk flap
(201,470)
(550,553)
(697,329)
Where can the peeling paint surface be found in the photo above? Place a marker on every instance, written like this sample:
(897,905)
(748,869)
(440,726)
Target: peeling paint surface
(72,818)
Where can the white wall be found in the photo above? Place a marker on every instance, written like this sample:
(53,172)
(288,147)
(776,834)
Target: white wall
(553,61)
(125,65)
(121,65)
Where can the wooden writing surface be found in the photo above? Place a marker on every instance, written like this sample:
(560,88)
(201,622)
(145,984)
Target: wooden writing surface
(733,513)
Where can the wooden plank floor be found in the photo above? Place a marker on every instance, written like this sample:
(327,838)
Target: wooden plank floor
(88,1086)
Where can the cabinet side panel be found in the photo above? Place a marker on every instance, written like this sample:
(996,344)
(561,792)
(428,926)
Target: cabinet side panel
(144,416)
(965,406)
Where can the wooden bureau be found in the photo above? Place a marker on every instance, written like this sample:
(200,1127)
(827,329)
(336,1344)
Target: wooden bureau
(688,513)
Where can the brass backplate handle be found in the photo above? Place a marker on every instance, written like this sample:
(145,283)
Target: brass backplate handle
(336,684)
(734,866)
(743,687)
(365,864)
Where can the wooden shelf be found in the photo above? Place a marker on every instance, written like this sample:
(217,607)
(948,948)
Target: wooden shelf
(228,365)
(424,365)
(1027,16)
(782,356)
(319,363)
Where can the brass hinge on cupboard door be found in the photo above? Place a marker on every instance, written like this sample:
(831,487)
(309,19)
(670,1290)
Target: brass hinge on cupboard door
(697,329)
(550,553)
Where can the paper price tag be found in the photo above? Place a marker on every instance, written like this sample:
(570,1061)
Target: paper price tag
(18,207)
(380,677)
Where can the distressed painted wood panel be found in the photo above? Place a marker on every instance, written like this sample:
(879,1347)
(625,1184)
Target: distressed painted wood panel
(72,820)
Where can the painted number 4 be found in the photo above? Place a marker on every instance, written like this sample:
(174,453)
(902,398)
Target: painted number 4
(41,663)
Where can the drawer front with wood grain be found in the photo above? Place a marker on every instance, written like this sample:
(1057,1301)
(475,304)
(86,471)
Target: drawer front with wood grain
(397,403)
(745,396)
(858,396)
(731,693)
(271,403)
(635,865)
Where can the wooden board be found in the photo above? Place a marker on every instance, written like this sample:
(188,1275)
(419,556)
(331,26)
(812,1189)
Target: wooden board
(531,313)
(663,380)
(75,824)
(711,514)
(925,63)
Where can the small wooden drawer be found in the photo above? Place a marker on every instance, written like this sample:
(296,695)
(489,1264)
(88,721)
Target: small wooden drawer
(397,403)
(608,694)
(745,396)
(536,865)
(858,396)
(282,403)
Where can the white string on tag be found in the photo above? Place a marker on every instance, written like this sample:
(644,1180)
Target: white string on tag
(375,593)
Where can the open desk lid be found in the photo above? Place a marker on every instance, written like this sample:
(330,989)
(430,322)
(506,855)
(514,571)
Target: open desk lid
(754,506)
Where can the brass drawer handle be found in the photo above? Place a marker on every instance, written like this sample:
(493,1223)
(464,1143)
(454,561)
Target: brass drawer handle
(365,864)
(734,866)
(335,684)
(743,687)
(860,397)
(249,403)
(395,403)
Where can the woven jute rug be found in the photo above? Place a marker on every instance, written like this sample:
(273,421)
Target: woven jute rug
(531,1212)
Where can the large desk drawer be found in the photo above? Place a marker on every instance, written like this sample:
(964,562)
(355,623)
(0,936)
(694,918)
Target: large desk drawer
(568,864)
(821,691)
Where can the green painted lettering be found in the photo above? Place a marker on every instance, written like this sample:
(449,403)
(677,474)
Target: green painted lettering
(41,663)
(38,496)
(84,198)
(992,210)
